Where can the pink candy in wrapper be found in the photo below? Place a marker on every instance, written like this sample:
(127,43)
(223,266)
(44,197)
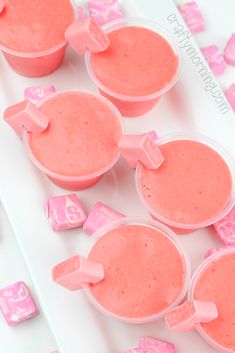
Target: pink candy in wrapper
(100,215)
(157,345)
(65,212)
(185,316)
(225,228)
(215,59)
(229,51)
(103,11)
(25,115)
(141,148)
(76,271)
(35,94)
(86,35)
(192,16)
(17,304)
(230,95)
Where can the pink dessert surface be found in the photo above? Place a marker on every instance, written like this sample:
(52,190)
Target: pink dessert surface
(82,136)
(138,62)
(144,271)
(216,283)
(32,26)
(193,184)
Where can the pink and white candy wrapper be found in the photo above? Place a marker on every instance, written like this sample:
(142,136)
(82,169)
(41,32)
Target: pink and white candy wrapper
(225,228)
(35,94)
(192,16)
(229,51)
(215,59)
(103,11)
(230,95)
(157,345)
(17,304)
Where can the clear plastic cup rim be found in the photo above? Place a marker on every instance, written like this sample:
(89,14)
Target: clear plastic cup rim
(192,285)
(191,136)
(140,22)
(171,237)
(73,178)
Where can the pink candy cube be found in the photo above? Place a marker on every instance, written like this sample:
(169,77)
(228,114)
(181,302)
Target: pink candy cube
(211,252)
(157,345)
(86,35)
(192,16)
(230,95)
(65,212)
(103,11)
(215,59)
(25,115)
(100,215)
(229,51)
(17,304)
(2,6)
(141,148)
(35,94)
(76,271)
(185,316)
(225,228)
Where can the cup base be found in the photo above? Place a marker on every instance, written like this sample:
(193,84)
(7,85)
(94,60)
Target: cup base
(75,185)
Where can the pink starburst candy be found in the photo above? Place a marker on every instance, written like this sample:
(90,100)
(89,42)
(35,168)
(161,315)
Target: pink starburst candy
(192,16)
(65,212)
(211,252)
(86,35)
(141,148)
(76,271)
(35,94)
(230,95)
(103,11)
(225,228)
(25,115)
(157,345)
(100,215)
(215,59)
(17,304)
(185,316)
(229,51)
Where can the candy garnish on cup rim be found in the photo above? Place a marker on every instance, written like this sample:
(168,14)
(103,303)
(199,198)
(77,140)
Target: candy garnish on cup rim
(36,93)
(141,149)
(25,116)
(76,271)
(185,316)
(86,35)
(229,51)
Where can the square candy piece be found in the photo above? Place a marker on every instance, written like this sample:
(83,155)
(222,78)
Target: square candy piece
(157,345)
(225,228)
(141,148)
(76,271)
(229,51)
(192,16)
(185,316)
(215,59)
(65,212)
(17,304)
(100,215)
(35,94)
(25,115)
(103,11)
(230,95)
(85,35)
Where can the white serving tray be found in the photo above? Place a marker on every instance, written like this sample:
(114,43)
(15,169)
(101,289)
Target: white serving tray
(77,327)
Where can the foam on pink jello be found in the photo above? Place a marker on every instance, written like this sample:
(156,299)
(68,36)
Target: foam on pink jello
(217,284)
(82,136)
(192,186)
(137,62)
(144,272)
(32,26)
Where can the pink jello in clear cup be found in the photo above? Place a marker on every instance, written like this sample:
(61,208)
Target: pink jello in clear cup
(194,186)
(214,281)
(141,64)
(146,270)
(32,35)
(81,141)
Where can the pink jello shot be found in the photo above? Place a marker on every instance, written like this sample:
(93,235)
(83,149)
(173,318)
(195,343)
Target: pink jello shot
(194,186)
(141,63)
(81,141)
(146,272)
(32,34)
(214,281)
